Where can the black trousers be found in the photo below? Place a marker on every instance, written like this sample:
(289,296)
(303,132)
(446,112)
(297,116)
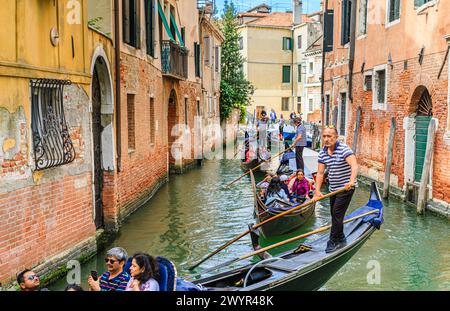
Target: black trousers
(339,205)
(299,158)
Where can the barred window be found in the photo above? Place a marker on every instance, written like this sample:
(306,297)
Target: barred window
(51,140)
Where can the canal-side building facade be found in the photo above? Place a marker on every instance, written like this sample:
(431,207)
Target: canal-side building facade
(307,67)
(399,69)
(55,72)
(282,59)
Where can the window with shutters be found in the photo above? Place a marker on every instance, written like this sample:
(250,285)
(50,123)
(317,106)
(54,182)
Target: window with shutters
(328,31)
(346,10)
(172,24)
(368,82)
(186,106)
(130,22)
(343,114)
(150,27)
(299,73)
(419,3)
(287,43)
(286,74)
(217,58)
(131,122)
(152,120)
(285,103)
(362,25)
(327,109)
(197,54)
(208,53)
(379,88)
(393,10)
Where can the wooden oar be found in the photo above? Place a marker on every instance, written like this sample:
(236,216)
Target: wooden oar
(252,169)
(261,250)
(264,222)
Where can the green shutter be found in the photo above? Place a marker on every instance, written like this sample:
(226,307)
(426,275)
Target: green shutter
(286,74)
(164,20)
(422,123)
(418,3)
(299,73)
(176,29)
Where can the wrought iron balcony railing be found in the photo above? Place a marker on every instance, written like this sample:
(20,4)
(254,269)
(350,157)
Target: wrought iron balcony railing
(174,60)
(206,6)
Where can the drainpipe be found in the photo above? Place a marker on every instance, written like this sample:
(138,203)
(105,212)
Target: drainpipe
(117,78)
(351,58)
(292,69)
(322,86)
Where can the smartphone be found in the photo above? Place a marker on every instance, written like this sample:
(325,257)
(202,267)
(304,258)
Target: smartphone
(94,275)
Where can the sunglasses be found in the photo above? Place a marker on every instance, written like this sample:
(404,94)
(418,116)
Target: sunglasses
(111,261)
(32,277)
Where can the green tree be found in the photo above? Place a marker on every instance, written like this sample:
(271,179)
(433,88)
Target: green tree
(235,89)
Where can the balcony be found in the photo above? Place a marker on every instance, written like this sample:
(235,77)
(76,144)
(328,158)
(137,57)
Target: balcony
(205,6)
(174,60)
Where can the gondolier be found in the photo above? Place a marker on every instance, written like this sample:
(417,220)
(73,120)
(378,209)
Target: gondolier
(300,144)
(342,167)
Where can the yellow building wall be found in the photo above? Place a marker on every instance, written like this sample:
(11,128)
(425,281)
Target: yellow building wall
(264,60)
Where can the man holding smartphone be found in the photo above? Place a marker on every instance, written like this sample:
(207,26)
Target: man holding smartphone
(115,279)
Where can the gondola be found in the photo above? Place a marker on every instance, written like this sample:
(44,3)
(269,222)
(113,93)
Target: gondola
(306,267)
(250,163)
(284,224)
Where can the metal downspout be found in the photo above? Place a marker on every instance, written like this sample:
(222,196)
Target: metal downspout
(351,58)
(117,78)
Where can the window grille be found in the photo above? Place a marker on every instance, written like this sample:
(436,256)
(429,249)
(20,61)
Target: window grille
(368,83)
(51,140)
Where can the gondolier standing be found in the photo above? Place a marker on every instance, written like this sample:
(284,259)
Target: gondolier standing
(300,144)
(342,173)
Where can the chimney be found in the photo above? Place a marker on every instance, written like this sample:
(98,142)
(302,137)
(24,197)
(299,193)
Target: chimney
(297,8)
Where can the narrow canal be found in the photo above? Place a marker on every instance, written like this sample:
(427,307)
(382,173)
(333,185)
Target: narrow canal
(192,215)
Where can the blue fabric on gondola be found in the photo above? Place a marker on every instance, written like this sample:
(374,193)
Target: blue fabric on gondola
(167,274)
(280,207)
(185,286)
(375,219)
(127,265)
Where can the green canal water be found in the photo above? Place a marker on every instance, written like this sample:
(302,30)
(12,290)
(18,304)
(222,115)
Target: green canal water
(192,215)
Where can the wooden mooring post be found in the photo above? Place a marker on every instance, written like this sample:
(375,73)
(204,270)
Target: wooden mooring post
(387,173)
(421,202)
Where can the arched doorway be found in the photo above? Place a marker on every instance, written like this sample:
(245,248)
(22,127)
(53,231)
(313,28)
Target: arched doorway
(171,122)
(102,131)
(424,113)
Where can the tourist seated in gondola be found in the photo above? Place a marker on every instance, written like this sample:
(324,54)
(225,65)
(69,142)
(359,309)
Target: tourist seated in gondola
(144,273)
(116,278)
(264,184)
(300,188)
(275,192)
(284,180)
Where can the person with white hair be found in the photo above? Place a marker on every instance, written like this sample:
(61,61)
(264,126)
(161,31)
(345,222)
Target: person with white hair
(115,279)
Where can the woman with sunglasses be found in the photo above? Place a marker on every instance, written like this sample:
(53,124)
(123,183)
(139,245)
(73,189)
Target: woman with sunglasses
(115,279)
(144,273)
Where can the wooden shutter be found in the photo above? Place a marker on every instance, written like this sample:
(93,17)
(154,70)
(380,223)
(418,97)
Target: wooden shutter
(126,21)
(299,73)
(207,43)
(286,74)
(329,30)
(149,26)
(137,23)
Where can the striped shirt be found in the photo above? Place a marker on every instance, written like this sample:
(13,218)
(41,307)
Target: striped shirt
(339,171)
(118,283)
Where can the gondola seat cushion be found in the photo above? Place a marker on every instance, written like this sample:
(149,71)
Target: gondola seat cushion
(167,275)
